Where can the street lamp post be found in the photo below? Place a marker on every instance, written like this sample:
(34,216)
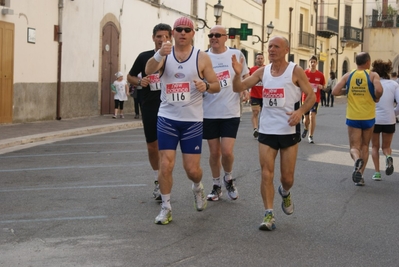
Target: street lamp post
(263,24)
(315,3)
(289,34)
(217,11)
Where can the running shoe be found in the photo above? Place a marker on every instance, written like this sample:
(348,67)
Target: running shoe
(164,217)
(310,139)
(231,188)
(256,133)
(200,201)
(268,223)
(216,193)
(121,116)
(305,132)
(287,205)
(157,193)
(114,117)
(356,175)
(360,183)
(376,176)
(389,165)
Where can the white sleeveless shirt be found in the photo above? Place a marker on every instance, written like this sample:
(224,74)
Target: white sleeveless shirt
(279,96)
(180,99)
(226,103)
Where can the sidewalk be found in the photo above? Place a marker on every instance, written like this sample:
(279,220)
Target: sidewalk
(12,135)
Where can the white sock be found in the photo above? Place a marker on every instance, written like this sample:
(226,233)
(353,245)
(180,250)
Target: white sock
(166,201)
(228,176)
(216,181)
(268,210)
(284,192)
(196,186)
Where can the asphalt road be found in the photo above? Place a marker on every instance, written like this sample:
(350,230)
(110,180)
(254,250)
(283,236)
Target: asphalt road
(87,202)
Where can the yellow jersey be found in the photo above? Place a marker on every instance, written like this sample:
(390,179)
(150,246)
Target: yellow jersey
(360,93)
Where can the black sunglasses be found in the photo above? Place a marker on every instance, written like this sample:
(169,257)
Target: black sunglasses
(186,30)
(217,35)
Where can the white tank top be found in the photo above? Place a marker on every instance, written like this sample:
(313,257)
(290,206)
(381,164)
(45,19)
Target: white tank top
(279,96)
(226,103)
(180,99)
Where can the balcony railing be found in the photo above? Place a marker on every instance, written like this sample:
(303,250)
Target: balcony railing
(306,39)
(327,27)
(382,21)
(352,34)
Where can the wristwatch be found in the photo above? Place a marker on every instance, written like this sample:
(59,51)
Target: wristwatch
(207,86)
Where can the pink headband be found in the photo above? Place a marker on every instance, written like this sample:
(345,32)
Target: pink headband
(183,21)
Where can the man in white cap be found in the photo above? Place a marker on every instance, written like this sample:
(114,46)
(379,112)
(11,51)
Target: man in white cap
(185,74)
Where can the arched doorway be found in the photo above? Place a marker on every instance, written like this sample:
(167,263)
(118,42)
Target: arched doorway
(110,59)
(344,67)
(332,66)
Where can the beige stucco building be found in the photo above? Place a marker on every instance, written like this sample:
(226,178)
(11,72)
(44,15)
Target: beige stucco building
(58,57)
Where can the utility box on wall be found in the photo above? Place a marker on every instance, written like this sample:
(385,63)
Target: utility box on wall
(5,3)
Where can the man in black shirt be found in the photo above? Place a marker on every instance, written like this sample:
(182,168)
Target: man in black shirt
(150,97)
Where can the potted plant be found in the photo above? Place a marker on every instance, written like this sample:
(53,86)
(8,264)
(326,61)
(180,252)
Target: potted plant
(389,17)
(386,15)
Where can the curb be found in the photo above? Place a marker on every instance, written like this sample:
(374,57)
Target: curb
(12,142)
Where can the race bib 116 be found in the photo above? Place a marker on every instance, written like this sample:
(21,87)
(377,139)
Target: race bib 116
(178,92)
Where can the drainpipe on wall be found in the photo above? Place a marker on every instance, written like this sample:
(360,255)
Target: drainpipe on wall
(60,7)
(338,40)
(363,16)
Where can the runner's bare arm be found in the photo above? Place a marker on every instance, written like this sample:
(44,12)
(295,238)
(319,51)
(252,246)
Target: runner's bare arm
(378,90)
(339,88)
(206,70)
(240,85)
(155,63)
(300,79)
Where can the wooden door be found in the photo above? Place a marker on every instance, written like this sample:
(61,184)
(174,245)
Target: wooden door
(110,59)
(6,71)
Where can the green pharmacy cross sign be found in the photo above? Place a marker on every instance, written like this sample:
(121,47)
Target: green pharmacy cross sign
(243,32)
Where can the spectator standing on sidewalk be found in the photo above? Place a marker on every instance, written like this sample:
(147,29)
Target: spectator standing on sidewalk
(222,114)
(283,82)
(186,73)
(316,79)
(150,98)
(136,94)
(256,95)
(385,119)
(332,81)
(120,94)
(363,89)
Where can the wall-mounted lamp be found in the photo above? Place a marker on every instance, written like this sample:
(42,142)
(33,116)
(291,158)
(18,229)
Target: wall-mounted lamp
(217,12)
(270,28)
(343,44)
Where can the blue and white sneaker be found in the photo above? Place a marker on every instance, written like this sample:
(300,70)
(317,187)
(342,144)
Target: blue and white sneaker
(268,223)
(232,191)
(287,205)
